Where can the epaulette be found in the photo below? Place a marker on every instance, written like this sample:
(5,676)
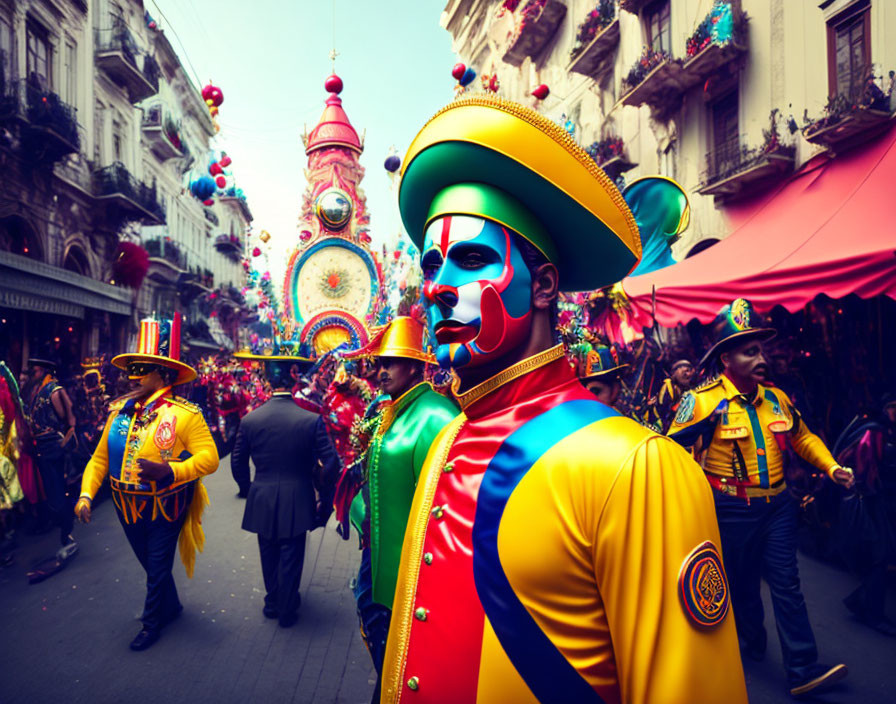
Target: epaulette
(183,403)
(715,381)
(116,405)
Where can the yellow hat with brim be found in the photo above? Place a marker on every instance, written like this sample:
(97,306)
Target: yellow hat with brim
(402,337)
(495,159)
(186,373)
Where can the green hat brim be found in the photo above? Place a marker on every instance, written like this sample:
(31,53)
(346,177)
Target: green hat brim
(605,372)
(589,254)
(186,373)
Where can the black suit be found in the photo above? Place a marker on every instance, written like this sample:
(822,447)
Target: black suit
(292,454)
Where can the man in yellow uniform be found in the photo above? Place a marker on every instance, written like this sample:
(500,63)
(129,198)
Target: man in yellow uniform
(155,447)
(740,427)
(555,551)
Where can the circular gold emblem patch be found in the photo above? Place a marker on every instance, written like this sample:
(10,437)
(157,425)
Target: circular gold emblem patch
(703,587)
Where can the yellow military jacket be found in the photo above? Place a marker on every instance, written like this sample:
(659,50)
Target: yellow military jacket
(173,430)
(743,439)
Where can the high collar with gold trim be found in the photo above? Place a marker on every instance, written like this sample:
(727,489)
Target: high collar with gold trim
(396,407)
(732,392)
(478,401)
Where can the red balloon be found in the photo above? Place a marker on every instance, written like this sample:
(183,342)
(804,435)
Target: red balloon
(541,92)
(215,169)
(208,202)
(225,161)
(256,252)
(458,71)
(221,181)
(493,83)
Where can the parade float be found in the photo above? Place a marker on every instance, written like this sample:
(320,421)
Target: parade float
(333,279)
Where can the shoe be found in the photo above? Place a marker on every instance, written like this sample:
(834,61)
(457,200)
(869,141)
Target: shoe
(270,612)
(819,677)
(289,620)
(144,639)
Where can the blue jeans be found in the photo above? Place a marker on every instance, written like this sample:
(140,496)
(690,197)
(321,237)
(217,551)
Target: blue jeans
(374,619)
(759,540)
(51,466)
(154,543)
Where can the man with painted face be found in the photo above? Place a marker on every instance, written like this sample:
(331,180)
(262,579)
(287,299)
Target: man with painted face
(680,380)
(740,428)
(555,551)
(154,448)
(401,439)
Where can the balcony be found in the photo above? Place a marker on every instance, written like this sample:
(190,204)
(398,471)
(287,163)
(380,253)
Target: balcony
(126,198)
(633,6)
(610,155)
(211,217)
(596,39)
(719,40)
(733,169)
(656,80)
(49,127)
(116,54)
(162,133)
(163,250)
(852,118)
(236,198)
(230,246)
(537,22)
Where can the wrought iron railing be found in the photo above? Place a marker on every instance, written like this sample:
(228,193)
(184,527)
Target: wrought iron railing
(120,39)
(117,179)
(732,156)
(164,248)
(46,109)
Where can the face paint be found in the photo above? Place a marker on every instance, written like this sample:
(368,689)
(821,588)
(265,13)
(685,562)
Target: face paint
(477,290)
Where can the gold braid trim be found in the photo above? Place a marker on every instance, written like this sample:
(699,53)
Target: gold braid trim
(517,370)
(561,137)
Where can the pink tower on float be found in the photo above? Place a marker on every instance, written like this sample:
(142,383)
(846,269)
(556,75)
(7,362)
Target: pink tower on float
(332,278)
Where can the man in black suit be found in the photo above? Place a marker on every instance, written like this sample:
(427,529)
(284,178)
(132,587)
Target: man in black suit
(294,464)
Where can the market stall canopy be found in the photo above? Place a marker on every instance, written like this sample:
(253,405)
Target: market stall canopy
(829,229)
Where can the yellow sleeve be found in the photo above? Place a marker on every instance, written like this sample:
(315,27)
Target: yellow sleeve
(659,511)
(203,454)
(98,466)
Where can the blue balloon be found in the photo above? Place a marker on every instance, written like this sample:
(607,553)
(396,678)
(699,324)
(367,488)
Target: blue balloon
(203,187)
(468,77)
(392,163)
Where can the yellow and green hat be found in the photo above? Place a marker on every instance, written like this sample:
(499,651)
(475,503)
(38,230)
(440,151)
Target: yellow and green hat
(732,326)
(496,159)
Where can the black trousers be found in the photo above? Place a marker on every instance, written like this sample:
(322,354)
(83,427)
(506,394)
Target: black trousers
(759,540)
(155,543)
(51,465)
(281,566)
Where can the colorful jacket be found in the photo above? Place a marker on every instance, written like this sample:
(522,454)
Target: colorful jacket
(559,552)
(165,427)
(743,440)
(395,458)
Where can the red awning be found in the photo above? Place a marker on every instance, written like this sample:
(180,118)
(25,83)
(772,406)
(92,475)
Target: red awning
(831,229)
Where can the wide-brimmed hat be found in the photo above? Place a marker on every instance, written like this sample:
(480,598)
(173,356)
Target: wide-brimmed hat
(278,351)
(733,326)
(402,337)
(492,158)
(599,361)
(159,343)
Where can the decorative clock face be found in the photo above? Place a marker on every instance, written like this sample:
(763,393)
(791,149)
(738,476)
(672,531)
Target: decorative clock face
(333,278)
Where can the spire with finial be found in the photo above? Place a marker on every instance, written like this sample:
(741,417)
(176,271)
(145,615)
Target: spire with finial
(334,128)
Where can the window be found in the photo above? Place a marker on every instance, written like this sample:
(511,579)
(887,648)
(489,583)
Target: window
(38,57)
(70,69)
(667,161)
(7,53)
(725,150)
(849,51)
(659,27)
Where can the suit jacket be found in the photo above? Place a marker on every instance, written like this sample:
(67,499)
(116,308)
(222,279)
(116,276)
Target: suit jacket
(285,443)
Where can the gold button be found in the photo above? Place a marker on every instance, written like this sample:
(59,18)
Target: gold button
(420,614)
(760,451)
(724,480)
(427,558)
(438,511)
(414,684)
(449,467)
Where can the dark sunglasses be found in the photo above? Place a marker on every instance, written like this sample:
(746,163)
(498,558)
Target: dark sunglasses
(141,368)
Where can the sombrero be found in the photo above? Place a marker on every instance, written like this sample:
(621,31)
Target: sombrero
(495,159)
(159,343)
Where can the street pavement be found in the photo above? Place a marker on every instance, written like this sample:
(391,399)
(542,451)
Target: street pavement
(66,639)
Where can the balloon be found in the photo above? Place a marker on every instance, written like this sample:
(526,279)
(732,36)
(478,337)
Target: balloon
(215,168)
(225,160)
(541,92)
(221,181)
(264,236)
(493,83)
(213,93)
(256,252)
(209,102)
(392,163)
(468,77)
(458,71)
(208,202)
(214,112)
(202,187)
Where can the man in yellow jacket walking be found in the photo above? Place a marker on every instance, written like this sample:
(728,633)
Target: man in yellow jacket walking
(155,447)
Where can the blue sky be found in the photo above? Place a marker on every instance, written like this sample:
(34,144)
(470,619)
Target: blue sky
(271,57)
